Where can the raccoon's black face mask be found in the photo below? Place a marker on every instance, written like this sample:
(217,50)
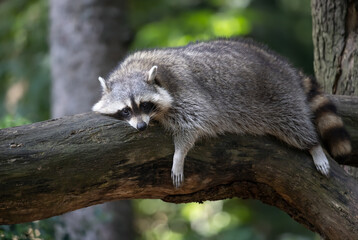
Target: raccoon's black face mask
(138,116)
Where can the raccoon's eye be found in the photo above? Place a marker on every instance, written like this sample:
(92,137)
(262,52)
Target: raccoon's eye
(126,112)
(147,107)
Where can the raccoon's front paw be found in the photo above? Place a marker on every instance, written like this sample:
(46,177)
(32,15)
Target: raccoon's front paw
(178,178)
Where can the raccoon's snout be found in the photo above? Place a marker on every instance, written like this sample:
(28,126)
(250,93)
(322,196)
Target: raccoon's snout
(141,126)
(139,123)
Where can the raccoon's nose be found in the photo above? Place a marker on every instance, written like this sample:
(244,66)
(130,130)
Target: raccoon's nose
(141,126)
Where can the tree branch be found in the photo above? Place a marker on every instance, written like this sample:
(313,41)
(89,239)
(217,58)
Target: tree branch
(52,167)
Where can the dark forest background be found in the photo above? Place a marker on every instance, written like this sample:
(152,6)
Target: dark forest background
(25,81)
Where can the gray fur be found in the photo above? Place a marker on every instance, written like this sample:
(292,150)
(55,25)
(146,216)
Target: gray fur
(215,87)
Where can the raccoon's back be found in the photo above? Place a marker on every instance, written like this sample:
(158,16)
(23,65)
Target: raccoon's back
(240,64)
(244,77)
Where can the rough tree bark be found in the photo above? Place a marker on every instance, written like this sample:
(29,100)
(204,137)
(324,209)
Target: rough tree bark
(59,165)
(335,38)
(88,38)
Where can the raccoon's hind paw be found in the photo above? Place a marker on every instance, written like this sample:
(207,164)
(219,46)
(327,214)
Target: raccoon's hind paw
(320,160)
(178,178)
(323,167)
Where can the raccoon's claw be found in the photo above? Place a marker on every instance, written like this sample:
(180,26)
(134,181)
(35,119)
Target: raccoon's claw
(178,179)
(323,167)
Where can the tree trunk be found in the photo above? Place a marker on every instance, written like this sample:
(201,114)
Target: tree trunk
(60,165)
(88,38)
(335,38)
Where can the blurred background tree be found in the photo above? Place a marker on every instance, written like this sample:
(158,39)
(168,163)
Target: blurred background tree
(84,46)
(284,25)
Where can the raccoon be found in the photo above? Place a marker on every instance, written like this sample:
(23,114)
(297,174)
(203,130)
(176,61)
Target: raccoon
(220,86)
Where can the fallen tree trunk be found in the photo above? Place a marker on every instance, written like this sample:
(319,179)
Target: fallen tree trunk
(52,167)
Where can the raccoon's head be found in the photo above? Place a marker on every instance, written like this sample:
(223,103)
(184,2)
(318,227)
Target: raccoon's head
(133,96)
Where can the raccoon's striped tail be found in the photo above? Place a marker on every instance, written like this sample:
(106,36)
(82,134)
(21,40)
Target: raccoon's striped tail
(329,125)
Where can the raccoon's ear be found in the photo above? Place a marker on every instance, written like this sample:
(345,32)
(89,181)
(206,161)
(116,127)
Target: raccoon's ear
(152,74)
(103,82)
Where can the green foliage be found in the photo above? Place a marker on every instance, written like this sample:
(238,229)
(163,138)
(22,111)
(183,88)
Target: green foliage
(218,220)
(24,68)
(29,231)
(191,26)
(11,121)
